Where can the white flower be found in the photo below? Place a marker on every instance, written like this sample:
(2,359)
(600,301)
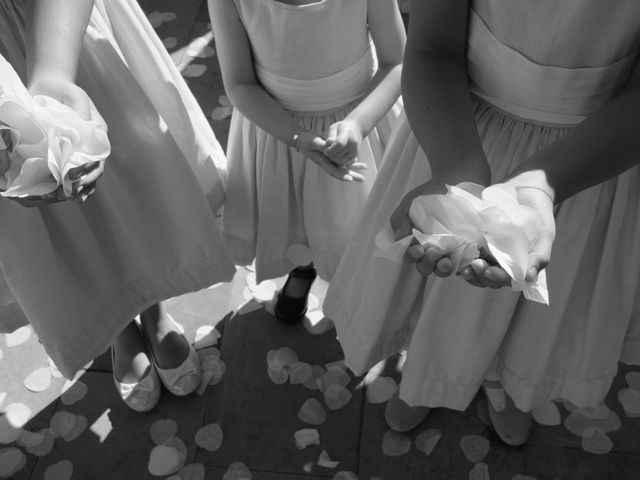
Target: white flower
(48,139)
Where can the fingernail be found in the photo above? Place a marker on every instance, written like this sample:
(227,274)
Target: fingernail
(490,274)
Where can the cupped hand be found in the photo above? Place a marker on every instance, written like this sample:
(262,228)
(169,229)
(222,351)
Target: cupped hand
(343,141)
(83,178)
(430,259)
(313,146)
(485,272)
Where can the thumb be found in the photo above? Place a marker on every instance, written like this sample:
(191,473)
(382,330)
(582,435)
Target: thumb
(332,133)
(539,257)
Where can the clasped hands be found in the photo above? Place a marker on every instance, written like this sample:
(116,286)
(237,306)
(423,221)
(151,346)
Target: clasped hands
(336,153)
(483,271)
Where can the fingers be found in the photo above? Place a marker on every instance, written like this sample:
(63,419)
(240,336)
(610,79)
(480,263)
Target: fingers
(481,274)
(343,174)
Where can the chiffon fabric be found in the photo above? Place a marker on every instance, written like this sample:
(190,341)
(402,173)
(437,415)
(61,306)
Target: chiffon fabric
(317,61)
(78,273)
(455,334)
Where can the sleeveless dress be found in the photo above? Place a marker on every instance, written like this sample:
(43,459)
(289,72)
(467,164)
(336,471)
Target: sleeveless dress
(79,273)
(536,69)
(316,60)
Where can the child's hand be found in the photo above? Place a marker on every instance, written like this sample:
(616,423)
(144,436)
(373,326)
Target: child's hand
(432,259)
(484,271)
(313,146)
(66,92)
(343,141)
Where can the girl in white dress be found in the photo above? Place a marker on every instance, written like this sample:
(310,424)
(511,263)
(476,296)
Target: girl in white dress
(313,83)
(80,273)
(544,95)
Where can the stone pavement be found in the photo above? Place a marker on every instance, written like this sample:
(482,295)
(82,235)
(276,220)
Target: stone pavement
(261,374)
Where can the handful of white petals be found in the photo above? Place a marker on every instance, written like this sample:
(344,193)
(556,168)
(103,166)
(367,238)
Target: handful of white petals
(464,221)
(48,140)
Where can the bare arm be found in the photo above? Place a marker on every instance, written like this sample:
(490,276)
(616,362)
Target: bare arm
(55,29)
(387,31)
(604,145)
(436,91)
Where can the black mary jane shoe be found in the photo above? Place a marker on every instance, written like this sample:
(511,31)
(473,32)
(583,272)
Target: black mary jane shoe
(293,310)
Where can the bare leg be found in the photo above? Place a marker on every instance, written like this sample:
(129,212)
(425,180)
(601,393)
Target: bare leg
(131,362)
(169,346)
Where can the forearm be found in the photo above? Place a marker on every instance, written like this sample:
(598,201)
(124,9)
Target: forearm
(382,93)
(54,32)
(262,109)
(438,104)
(604,145)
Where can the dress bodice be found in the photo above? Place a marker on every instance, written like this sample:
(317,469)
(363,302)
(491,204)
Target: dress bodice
(552,61)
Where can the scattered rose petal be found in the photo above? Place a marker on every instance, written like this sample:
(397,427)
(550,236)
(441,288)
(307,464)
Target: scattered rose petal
(480,471)
(162,430)
(335,375)
(594,440)
(219,369)
(577,422)
(336,364)
(300,372)
(316,372)
(324,460)
(237,471)
(282,357)
(496,397)
(630,400)
(474,447)
(395,444)
(62,423)
(38,380)
(55,373)
(633,379)
(345,475)
(264,291)
(547,414)
(193,70)
(37,443)
(306,437)
(17,414)
(224,100)
(44,446)
(523,477)
(206,336)
(337,397)
(298,254)
(220,113)
(163,460)
(312,412)
(17,337)
(599,412)
(59,471)
(381,389)
(312,302)
(12,460)
(316,323)
(279,377)
(8,433)
(170,42)
(427,440)
(73,392)
(102,426)
(193,471)
(79,427)
(569,406)
(181,448)
(209,437)
(204,52)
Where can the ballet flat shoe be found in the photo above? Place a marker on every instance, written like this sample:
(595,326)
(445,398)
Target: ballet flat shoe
(141,396)
(184,379)
(401,417)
